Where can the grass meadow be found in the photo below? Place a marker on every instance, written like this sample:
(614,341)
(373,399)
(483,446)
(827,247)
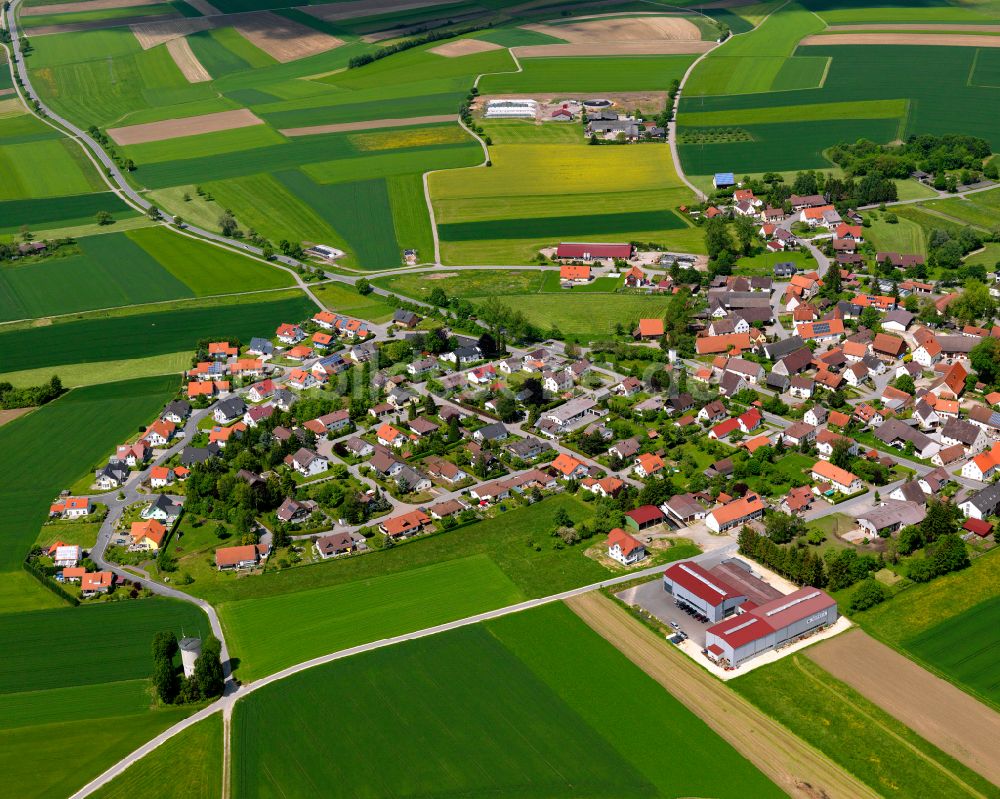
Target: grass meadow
(346,300)
(833,717)
(904,236)
(142,335)
(432,702)
(43,213)
(188,766)
(91,421)
(590,74)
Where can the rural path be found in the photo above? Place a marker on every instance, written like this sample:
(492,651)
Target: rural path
(226,703)
(796,767)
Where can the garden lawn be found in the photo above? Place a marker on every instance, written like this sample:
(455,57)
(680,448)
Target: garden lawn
(763,263)
(142,335)
(91,421)
(547,737)
(833,717)
(198,751)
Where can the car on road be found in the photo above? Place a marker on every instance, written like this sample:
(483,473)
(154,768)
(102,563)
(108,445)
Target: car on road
(675,625)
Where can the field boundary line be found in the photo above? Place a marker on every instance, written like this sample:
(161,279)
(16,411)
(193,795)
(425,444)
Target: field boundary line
(905,119)
(912,747)
(794,765)
(826,72)
(229,699)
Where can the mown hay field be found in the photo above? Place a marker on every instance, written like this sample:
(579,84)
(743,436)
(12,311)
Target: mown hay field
(48,212)
(547,738)
(47,168)
(845,12)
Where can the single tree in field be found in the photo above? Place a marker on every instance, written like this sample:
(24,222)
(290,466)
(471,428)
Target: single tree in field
(104,218)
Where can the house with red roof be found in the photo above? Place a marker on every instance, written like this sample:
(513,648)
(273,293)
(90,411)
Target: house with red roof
(569,467)
(649,328)
(735,513)
(289,334)
(648,464)
(644,516)
(625,548)
(574,273)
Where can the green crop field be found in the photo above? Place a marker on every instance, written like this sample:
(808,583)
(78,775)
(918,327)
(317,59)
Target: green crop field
(188,766)
(19,591)
(586,315)
(68,18)
(380,607)
(55,649)
(590,74)
(204,145)
(797,693)
(89,701)
(541,189)
(52,761)
(845,12)
(968,211)
(882,90)
(223,51)
(92,421)
(73,209)
(46,168)
(89,374)
(205,268)
(146,334)
(965,649)
(989,256)
(547,738)
(110,270)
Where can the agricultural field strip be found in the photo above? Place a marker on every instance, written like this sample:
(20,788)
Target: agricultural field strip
(778,753)
(371,124)
(863,109)
(85,5)
(225,703)
(933,708)
(917,39)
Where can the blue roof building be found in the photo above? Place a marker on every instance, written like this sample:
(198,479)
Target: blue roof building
(723,180)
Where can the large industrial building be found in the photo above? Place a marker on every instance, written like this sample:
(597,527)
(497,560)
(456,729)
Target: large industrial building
(511,109)
(764,627)
(750,616)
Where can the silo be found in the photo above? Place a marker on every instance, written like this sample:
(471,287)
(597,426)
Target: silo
(190,650)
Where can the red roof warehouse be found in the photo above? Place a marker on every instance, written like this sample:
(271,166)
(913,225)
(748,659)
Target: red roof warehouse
(644,516)
(770,625)
(591,251)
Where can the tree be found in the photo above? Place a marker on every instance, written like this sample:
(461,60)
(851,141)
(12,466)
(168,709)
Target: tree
(228,224)
(717,239)
(841,455)
(506,408)
(153,213)
(985,359)
(973,303)
(868,594)
(164,646)
(562,518)
(363,286)
(831,281)
(438,297)
(165,680)
(905,383)
(746,233)
(950,554)
(941,520)
(805,183)
(869,318)
(268,252)
(782,528)
(208,668)
(104,218)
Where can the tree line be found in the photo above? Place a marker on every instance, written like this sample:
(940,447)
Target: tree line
(172,687)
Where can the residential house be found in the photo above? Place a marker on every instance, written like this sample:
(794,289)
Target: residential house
(93,583)
(684,508)
(247,556)
(335,545)
(624,548)
(290,334)
(176,411)
(735,514)
(890,517)
(569,467)
(648,464)
(71,508)
(982,504)
(970,436)
(147,536)
(495,431)
(307,463)
(842,480)
(983,466)
(229,410)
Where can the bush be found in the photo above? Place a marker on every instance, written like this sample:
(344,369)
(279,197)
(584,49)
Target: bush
(868,594)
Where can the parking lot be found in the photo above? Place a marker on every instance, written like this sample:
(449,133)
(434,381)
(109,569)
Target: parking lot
(652,598)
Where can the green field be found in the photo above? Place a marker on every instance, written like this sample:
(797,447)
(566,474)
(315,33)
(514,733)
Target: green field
(380,607)
(45,168)
(590,74)
(433,703)
(905,236)
(541,189)
(989,256)
(68,18)
(845,12)
(188,766)
(72,209)
(346,300)
(883,91)
(92,422)
(937,624)
(966,649)
(466,283)
(89,374)
(968,211)
(833,717)
(146,334)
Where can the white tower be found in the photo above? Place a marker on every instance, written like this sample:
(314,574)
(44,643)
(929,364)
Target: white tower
(190,650)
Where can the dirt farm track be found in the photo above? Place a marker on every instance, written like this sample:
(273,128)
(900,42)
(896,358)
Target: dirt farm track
(933,708)
(792,764)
